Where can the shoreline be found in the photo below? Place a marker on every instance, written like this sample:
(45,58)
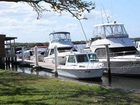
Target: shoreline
(49,90)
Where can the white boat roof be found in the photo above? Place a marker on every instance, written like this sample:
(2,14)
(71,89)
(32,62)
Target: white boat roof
(108,24)
(113,42)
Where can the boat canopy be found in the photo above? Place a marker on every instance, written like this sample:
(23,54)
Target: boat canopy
(60,36)
(110,30)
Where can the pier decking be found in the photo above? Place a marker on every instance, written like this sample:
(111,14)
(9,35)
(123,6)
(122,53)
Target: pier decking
(40,64)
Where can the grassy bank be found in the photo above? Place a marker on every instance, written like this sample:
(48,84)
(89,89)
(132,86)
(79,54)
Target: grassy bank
(23,89)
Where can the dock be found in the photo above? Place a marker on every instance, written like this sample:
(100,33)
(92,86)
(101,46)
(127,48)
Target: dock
(40,64)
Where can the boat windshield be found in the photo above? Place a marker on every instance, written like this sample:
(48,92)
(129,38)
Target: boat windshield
(60,36)
(66,49)
(110,31)
(93,57)
(82,58)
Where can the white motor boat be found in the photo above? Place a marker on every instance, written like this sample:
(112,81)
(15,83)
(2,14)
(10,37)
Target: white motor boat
(26,54)
(64,45)
(81,66)
(124,57)
(41,53)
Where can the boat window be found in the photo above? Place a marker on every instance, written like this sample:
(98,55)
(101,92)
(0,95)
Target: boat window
(71,59)
(52,51)
(119,51)
(93,57)
(101,52)
(112,30)
(58,36)
(82,58)
(64,49)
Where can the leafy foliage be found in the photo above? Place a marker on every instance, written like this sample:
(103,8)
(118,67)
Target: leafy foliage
(75,7)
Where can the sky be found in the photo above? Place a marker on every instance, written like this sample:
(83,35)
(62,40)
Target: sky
(20,20)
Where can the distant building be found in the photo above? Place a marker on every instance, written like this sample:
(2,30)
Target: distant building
(7,46)
(2,46)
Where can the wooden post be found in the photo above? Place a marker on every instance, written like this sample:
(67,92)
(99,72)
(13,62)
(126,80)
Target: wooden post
(22,54)
(2,65)
(108,63)
(36,56)
(56,60)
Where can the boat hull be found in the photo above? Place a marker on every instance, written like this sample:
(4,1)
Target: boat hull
(127,68)
(81,74)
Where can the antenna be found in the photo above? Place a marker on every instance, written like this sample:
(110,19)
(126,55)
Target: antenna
(82,26)
(107,17)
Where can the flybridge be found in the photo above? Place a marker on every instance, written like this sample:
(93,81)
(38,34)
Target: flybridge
(60,36)
(110,30)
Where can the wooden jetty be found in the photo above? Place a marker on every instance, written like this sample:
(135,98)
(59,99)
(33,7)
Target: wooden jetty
(40,64)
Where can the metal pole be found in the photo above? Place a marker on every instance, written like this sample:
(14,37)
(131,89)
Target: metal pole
(56,60)
(108,63)
(36,56)
(83,30)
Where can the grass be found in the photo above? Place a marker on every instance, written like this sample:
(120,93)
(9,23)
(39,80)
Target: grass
(24,89)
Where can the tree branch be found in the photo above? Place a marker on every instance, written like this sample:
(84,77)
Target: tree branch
(75,7)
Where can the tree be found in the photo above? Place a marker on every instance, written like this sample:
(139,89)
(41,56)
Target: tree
(75,7)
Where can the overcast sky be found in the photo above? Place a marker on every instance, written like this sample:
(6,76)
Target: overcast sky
(20,20)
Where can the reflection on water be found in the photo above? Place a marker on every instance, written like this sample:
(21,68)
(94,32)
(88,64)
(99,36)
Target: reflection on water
(123,82)
(117,82)
(35,72)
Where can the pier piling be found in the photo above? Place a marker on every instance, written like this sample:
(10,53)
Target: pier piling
(56,61)
(108,63)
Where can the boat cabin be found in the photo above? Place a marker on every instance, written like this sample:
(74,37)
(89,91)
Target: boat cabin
(114,35)
(81,58)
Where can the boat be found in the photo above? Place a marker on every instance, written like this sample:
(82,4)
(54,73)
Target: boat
(124,57)
(26,54)
(81,66)
(64,45)
(41,53)
(138,46)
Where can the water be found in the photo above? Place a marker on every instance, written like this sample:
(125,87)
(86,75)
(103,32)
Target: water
(128,83)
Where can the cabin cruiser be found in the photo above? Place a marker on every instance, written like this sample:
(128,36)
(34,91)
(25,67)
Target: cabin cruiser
(41,52)
(81,66)
(64,45)
(124,57)
(26,54)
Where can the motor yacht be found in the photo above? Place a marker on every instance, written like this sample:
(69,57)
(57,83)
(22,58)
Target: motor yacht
(124,57)
(81,66)
(64,45)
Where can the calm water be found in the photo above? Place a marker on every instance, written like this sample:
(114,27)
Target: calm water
(117,81)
